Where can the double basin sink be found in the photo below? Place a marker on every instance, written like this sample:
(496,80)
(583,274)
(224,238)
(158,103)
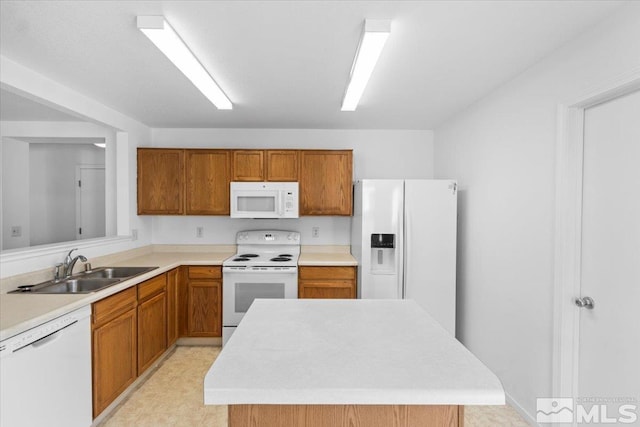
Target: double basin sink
(87,282)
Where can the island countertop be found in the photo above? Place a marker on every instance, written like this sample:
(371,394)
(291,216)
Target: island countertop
(337,352)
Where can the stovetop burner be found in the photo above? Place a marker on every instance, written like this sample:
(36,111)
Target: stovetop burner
(280,259)
(265,249)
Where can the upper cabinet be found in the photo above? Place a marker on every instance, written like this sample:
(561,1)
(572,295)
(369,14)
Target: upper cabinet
(282,165)
(326,182)
(208,174)
(248,165)
(160,181)
(196,181)
(265,165)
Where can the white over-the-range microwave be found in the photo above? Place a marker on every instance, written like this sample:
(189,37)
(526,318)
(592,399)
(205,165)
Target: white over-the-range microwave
(264,200)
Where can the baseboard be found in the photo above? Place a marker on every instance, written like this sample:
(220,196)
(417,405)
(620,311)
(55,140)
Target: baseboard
(520,410)
(200,341)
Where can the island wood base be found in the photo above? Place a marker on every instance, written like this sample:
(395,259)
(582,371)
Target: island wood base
(346,415)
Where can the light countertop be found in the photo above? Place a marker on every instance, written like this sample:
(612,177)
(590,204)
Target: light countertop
(20,312)
(346,352)
(326,256)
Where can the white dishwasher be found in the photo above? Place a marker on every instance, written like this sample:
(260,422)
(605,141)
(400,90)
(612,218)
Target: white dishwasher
(45,374)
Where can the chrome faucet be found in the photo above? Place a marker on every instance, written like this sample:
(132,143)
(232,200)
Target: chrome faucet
(69,262)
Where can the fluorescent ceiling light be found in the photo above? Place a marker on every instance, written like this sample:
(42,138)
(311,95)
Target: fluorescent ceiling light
(169,42)
(374,36)
(100,144)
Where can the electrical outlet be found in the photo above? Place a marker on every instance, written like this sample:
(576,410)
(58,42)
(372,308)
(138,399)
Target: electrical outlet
(16,231)
(315,232)
(200,232)
(134,234)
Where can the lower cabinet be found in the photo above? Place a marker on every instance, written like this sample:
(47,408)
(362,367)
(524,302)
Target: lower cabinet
(173,286)
(114,347)
(327,282)
(204,301)
(152,338)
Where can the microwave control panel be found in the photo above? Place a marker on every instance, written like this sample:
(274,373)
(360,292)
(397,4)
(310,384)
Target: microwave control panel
(289,201)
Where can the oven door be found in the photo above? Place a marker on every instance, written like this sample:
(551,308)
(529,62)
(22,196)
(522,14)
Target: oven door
(240,286)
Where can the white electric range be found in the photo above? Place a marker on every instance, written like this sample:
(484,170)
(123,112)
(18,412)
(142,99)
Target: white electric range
(266,266)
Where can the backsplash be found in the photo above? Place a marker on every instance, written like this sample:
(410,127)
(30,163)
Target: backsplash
(181,230)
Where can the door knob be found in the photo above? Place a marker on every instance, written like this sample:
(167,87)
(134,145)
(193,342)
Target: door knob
(586,302)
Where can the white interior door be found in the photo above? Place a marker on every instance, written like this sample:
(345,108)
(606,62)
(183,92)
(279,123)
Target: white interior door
(609,343)
(90,201)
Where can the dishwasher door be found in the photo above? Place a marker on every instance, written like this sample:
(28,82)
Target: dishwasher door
(45,374)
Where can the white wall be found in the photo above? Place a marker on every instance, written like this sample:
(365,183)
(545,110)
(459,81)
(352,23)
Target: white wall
(79,129)
(502,152)
(52,188)
(376,154)
(129,134)
(15,192)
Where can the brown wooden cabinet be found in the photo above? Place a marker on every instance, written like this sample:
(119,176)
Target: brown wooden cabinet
(208,173)
(265,165)
(327,282)
(204,301)
(248,165)
(173,282)
(114,347)
(160,181)
(152,321)
(196,181)
(282,165)
(326,182)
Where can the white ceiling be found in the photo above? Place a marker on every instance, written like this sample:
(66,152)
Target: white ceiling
(285,64)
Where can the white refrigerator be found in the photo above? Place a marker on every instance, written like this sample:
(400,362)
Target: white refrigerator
(403,234)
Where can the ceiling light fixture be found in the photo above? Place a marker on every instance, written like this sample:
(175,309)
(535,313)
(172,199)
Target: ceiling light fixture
(374,36)
(169,42)
(100,144)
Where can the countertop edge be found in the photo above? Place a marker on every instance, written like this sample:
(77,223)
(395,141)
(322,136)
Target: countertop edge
(86,299)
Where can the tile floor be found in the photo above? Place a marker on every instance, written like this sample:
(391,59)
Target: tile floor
(172,396)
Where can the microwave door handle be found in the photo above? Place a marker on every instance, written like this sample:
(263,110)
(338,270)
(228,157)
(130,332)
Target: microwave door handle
(280,203)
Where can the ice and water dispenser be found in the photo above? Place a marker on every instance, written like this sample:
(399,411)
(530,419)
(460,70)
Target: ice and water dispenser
(383,253)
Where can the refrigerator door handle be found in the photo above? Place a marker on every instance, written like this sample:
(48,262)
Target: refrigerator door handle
(405,244)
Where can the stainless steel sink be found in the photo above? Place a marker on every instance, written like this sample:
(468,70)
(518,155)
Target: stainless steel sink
(76,286)
(117,272)
(84,283)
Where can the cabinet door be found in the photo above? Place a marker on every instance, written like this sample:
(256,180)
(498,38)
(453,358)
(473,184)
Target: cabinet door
(205,309)
(152,330)
(282,165)
(172,306)
(207,184)
(114,347)
(248,165)
(160,181)
(325,182)
(327,289)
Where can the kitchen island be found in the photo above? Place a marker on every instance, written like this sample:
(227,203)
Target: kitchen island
(346,362)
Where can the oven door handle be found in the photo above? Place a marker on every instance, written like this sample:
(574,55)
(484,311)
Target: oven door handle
(270,270)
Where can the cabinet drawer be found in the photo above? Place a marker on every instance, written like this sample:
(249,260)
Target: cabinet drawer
(111,307)
(205,272)
(152,287)
(329,273)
